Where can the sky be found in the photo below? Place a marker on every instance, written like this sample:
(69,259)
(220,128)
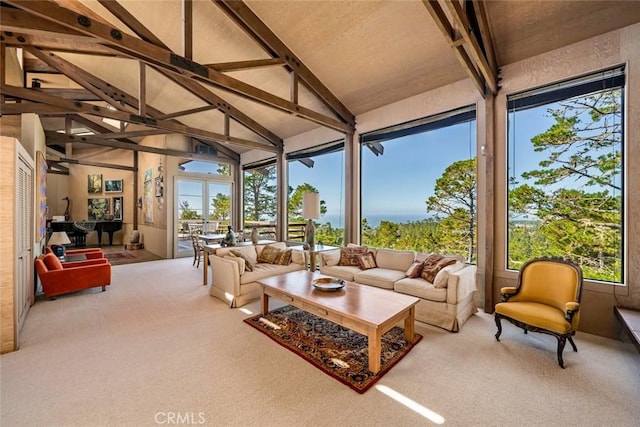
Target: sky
(396,184)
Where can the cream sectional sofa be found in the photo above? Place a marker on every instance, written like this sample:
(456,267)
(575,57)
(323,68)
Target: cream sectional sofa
(233,283)
(448,303)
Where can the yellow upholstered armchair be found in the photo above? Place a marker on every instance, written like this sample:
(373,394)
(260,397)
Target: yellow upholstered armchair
(546,299)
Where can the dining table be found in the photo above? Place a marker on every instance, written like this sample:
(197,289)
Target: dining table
(212,238)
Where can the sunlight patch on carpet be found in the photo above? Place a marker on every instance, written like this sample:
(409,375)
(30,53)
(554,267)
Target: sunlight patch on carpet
(337,351)
(411,404)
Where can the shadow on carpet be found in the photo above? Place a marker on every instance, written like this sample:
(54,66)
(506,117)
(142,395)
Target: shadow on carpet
(335,350)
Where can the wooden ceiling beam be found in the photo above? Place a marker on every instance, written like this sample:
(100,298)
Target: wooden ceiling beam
(249,21)
(187,112)
(461,22)
(130,21)
(70,71)
(96,164)
(131,134)
(59,44)
(485,33)
(224,67)
(16,20)
(34,65)
(12,109)
(197,89)
(441,20)
(68,93)
(187,29)
(166,59)
(95,110)
(55,138)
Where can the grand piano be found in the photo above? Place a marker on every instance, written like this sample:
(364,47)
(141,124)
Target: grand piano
(79,229)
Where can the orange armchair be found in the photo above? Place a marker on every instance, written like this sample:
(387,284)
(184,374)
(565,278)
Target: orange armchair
(90,253)
(58,278)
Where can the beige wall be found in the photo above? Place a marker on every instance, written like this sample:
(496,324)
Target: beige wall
(604,51)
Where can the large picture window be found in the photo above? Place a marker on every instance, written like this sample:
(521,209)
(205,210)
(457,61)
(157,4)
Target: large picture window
(260,195)
(565,172)
(320,170)
(418,185)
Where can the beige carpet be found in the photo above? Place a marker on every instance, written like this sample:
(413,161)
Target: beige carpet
(157,348)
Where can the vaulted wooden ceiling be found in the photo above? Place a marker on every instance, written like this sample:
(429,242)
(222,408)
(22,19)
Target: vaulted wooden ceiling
(247,75)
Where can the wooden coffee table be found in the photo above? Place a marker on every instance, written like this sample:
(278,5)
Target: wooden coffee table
(365,309)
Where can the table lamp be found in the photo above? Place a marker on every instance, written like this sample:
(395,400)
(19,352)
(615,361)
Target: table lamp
(56,241)
(310,211)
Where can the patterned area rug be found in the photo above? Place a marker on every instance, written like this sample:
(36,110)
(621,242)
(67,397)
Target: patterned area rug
(337,351)
(130,257)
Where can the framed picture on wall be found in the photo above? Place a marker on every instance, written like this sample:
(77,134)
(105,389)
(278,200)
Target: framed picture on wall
(94,184)
(159,187)
(113,186)
(117,208)
(97,208)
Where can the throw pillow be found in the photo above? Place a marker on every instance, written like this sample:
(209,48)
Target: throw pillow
(415,270)
(52,262)
(442,278)
(366,261)
(283,257)
(433,264)
(268,254)
(349,256)
(248,263)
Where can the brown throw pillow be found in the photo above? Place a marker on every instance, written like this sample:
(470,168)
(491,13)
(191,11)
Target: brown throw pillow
(367,261)
(248,264)
(283,257)
(415,270)
(433,264)
(349,255)
(268,254)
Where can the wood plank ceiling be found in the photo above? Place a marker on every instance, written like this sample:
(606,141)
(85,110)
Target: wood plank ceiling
(246,75)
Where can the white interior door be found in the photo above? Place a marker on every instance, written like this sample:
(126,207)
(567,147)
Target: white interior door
(24,292)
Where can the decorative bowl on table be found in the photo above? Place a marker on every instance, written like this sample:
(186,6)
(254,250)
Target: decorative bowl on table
(327,284)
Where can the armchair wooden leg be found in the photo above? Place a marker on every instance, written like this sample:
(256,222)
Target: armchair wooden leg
(573,344)
(499,325)
(561,343)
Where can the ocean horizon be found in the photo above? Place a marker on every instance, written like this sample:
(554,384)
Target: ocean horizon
(374,219)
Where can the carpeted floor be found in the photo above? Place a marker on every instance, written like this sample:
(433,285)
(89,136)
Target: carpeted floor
(337,351)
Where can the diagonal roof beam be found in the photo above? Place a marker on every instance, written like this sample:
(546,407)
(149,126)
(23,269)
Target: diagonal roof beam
(441,20)
(246,65)
(95,110)
(485,33)
(195,88)
(173,63)
(71,72)
(249,21)
(461,22)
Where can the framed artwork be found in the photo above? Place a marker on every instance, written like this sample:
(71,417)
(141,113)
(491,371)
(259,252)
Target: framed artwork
(147,174)
(41,173)
(95,184)
(97,208)
(117,208)
(147,202)
(159,187)
(113,186)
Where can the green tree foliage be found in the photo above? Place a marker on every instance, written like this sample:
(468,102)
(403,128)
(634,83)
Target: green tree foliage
(455,198)
(573,199)
(186,212)
(260,195)
(220,207)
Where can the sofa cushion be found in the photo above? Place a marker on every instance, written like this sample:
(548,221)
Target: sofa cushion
(344,272)
(52,262)
(349,255)
(297,256)
(278,245)
(433,264)
(394,259)
(268,254)
(238,260)
(414,270)
(379,277)
(367,261)
(442,278)
(264,270)
(420,288)
(330,258)
(283,257)
(249,261)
